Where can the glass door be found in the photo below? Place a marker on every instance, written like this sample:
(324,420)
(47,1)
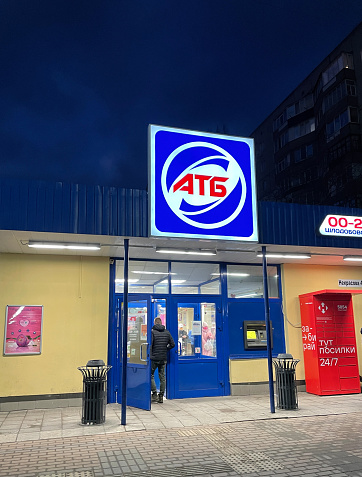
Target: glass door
(197,366)
(138,360)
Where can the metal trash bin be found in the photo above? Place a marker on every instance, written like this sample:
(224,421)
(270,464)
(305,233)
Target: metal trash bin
(94,391)
(287,393)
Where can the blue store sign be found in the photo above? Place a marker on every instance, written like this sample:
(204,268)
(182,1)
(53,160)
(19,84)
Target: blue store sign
(201,185)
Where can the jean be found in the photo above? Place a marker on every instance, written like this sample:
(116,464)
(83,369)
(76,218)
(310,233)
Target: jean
(160,365)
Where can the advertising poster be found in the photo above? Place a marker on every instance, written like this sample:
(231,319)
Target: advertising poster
(23,330)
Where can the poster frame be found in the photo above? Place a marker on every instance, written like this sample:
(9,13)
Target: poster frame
(27,309)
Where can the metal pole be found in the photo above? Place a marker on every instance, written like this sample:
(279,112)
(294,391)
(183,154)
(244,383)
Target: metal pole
(267,326)
(124,333)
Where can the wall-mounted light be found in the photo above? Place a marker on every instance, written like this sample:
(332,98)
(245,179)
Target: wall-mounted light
(186,251)
(64,246)
(351,258)
(285,255)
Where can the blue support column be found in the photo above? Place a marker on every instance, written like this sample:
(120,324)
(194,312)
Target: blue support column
(267,326)
(124,333)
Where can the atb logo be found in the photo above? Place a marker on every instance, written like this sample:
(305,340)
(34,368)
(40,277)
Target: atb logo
(204,185)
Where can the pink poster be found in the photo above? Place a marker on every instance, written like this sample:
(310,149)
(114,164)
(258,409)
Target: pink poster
(23,330)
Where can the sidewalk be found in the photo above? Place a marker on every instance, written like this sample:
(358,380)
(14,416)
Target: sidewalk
(225,436)
(16,426)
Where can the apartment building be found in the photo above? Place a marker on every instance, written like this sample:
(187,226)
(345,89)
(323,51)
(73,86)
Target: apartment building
(308,150)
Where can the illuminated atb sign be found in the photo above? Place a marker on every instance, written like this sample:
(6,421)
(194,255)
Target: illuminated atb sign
(201,185)
(342,226)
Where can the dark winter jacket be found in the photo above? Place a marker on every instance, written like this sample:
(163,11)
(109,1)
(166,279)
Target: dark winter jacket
(162,341)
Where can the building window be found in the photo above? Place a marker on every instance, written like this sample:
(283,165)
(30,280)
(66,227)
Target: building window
(350,115)
(292,110)
(348,144)
(245,281)
(303,152)
(300,106)
(283,164)
(346,88)
(281,141)
(195,278)
(336,125)
(301,129)
(143,277)
(351,88)
(279,121)
(353,115)
(345,60)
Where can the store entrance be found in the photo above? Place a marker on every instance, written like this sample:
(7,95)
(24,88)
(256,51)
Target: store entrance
(196,365)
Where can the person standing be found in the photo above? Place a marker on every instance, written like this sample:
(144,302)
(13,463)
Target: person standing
(161,343)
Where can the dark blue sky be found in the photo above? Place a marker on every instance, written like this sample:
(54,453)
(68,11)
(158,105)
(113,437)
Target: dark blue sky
(82,79)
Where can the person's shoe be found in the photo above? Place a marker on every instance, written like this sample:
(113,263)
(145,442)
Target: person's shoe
(160,398)
(154,397)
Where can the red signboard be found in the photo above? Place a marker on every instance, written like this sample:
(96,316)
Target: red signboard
(329,343)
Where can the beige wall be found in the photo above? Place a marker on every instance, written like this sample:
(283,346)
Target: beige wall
(74,293)
(299,279)
(248,371)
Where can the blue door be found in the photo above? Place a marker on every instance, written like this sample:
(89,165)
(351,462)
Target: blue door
(138,359)
(197,361)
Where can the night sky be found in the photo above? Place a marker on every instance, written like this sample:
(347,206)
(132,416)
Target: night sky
(82,79)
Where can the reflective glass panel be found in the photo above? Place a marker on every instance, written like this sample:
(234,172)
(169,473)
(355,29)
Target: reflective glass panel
(245,281)
(159,310)
(195,278)
(208,323)
(186,340)
(196,330)
(143,277)
(137,332)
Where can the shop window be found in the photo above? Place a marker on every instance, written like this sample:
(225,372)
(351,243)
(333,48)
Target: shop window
(246,281)
(195,278)
(143,276)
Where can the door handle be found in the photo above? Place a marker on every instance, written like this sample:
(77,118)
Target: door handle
(143,344)
(179,348)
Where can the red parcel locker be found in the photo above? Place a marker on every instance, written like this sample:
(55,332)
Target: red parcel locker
(329,342)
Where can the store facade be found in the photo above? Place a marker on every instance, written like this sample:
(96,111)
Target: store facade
(79,294)
(212,304)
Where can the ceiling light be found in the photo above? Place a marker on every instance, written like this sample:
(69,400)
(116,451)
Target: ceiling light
(64,246)
(186,251)
(152,273)
(233,274)
(173,282)
(285,255)
(238,274)
(130,280)
(351,258)
(247,295)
